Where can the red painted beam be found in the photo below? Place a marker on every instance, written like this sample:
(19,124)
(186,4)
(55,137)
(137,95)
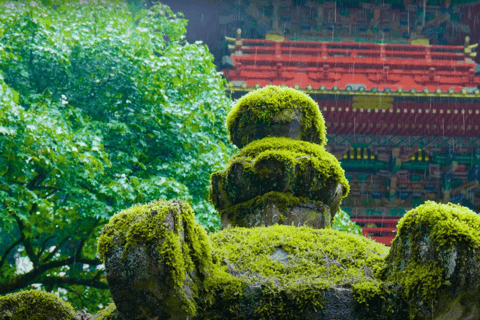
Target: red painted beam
(384,240)
(454,118)
(385,222)
(384,231)
(339,65)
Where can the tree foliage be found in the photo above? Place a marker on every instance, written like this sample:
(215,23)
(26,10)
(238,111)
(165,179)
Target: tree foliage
(342,222)
(100,108)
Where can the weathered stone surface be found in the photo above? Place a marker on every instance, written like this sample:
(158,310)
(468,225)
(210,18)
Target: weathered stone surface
(282,135)
(287,124)
(82,315)
(142,287)
(160,264)
(242,183)
(299,273)
(436,260)
(284,272)
(154,255)
(276,112)
(288,272)
(280,165)
(338,304)
(278,208)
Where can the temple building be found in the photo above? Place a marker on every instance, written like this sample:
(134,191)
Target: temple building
(397,84)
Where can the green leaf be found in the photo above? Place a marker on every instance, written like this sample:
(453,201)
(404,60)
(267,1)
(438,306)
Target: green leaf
(135,181)
(176,81)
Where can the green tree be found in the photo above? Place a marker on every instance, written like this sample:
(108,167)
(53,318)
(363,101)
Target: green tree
(101,107)
(342,222)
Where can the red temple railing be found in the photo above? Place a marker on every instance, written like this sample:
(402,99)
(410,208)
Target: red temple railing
(380,229)
(354,66)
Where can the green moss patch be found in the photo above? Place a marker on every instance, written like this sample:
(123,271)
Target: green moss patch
(280,165)
(449,224)
(35,305)
(184,248)
(307,249)
(108,313)
(262,107)
(237,214)
(313,261)
(322,160)
(431,240)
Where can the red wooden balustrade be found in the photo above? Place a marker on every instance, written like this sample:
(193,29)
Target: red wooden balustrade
(384,230)
(345,65)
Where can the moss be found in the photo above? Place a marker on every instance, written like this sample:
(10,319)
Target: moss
(438,226)
(108,313)
(35,305)
(283,157)
(367,291)
(220,294)
(276,164)
(263,105)
(283,200)
(146,224)
(449,224)
(296,151)
(288,302)
(318,259)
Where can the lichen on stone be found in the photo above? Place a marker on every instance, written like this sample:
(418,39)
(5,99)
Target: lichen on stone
(240,215)
(366,291)
(451,223)
(298,151)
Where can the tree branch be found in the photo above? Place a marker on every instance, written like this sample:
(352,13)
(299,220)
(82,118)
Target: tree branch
(39,178)
(78,294)
(25,279)
(25,240)
(51,254)
(38,255)
(78,253)
(57,280)
(84,238)
(46,187)
(49,194)
(53,190)
(10,249)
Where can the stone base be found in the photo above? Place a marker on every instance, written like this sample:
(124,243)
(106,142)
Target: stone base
(432,270)
(278,208)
